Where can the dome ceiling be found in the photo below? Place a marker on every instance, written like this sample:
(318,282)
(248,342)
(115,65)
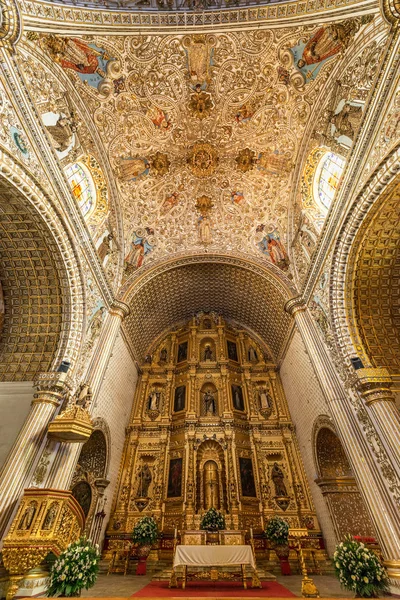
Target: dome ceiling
(201,131)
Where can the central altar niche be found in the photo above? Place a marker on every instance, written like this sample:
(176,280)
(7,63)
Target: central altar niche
(210,427)
(211,477)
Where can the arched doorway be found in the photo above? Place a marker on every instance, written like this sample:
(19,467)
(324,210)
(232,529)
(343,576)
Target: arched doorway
(89,481)
(338,486)
(211,477)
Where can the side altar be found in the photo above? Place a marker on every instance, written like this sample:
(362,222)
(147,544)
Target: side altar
(215,560)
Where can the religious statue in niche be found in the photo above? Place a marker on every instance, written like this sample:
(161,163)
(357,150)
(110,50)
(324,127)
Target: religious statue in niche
(247,477)
(83,395)
(50,517)
(326,42)
(179,399)
(209,404)
(237,397)
(344,121)
(28,516)
(153,401)
(252,354)
(104,248)
(144,481)
(182,351)
(174,489)
(232,351)
(62,130)
(264,401)
(208,353)
(277,477)
(163,355)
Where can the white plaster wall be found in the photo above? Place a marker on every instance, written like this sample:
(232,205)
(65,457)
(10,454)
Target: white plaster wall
(306,403)
(114,404)
(15,403)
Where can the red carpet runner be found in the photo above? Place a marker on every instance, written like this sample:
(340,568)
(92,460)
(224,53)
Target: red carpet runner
(206,589)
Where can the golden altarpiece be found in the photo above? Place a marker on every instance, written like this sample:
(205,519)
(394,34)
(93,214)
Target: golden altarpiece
(210,426)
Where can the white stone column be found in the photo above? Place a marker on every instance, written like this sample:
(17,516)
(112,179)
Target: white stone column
(373,470)
(63,466)
(25,453)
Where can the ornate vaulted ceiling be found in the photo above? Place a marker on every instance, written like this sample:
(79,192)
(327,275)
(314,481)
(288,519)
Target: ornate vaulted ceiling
(201,131)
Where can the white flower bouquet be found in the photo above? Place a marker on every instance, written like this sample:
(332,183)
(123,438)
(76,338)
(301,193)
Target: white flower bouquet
(359,569)
(145,531)
(76,568)
(213,520)
(277,531)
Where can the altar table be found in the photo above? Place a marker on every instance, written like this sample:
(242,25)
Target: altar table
(214,556)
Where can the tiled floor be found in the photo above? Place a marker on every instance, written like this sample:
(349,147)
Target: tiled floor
(124,586)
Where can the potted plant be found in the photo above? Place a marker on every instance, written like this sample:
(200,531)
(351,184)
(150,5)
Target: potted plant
(359,569)
(212,522)
(277,532)
(76,568)
(144,535)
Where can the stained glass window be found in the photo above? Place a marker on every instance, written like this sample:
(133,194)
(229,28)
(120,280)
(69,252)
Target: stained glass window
(82,187)
(331,167)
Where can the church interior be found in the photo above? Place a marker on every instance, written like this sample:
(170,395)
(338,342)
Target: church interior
(199,288)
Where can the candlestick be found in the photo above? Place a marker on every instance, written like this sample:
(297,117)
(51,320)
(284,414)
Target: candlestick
(175,533)
(251,533)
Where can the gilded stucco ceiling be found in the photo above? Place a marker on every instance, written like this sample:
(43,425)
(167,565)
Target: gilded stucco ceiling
(375,285)
(29,275)
(201,131)
(238,293)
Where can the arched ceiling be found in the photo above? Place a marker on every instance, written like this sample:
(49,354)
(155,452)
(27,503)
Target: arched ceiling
(375,288)
(201,131)
(30,278)
(250,296)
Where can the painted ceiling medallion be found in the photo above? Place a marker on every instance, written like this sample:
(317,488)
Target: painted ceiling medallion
(200,103)
(203,205)
(159,163)
(245,160)
(202,159)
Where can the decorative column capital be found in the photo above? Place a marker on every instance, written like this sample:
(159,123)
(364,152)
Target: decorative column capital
(51,387)
(373,384)
(295,305)
(119,309)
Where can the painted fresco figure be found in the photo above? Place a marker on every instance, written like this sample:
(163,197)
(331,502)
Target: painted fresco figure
(326,42)
(74,54)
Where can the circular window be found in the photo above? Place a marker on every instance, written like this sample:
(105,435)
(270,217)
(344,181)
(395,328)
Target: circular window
(327,176)
(82,186)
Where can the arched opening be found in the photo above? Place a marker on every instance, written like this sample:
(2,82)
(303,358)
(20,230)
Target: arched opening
(211,477)
(326,180)
(339,488)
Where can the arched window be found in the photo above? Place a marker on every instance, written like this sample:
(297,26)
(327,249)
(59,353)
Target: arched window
(82,186)
(327,176)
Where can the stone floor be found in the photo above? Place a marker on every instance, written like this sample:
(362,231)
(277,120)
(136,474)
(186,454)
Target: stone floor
(124,586)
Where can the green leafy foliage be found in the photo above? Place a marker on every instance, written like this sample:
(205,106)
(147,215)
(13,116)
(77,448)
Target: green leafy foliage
(76,568)
(359,569)
(145,531)
(213,519)
(277,531)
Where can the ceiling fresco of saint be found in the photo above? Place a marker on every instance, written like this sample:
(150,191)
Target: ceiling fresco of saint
(198,137)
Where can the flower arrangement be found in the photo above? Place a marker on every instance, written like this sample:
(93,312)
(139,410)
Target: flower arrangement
(277,531)
(145,531)
(213,519)
(359,569)
(76,568)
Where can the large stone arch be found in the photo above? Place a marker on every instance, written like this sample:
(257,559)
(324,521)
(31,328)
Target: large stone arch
(351,266)
(336,481)
(249,292)
(46,315)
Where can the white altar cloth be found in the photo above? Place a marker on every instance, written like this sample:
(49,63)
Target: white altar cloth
(213,556)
